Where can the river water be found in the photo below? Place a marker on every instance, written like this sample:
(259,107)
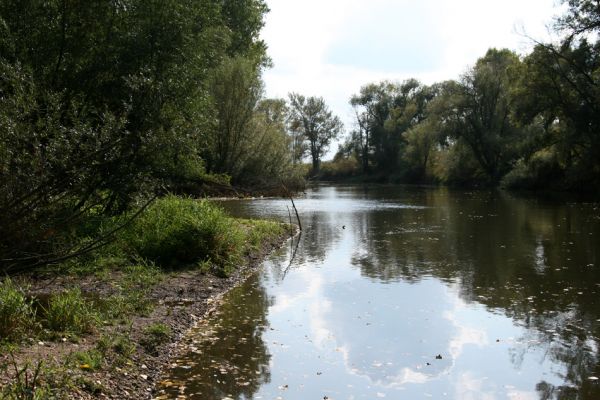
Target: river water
(409,293)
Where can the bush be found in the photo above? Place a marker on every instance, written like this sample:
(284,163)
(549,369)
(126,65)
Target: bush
(175,231)
(541,171)
(69,312)
(16,311)
(339,169)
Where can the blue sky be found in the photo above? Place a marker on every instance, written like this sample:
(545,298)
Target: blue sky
(331,48)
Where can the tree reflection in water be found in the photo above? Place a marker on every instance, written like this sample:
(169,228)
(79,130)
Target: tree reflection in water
(385,278)
(535,262)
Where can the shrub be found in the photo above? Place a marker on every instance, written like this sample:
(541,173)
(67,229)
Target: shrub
(175,231)
(16,312)
(339,169)
(69,312)
(541,171)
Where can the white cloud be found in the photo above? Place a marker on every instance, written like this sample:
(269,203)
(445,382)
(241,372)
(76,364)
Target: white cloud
(331,48)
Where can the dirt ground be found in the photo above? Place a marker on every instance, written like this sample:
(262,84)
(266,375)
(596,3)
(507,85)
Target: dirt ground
(181,300)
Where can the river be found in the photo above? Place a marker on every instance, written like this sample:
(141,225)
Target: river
(409,293)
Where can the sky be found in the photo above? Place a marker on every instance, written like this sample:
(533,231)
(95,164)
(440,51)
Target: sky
(330,48)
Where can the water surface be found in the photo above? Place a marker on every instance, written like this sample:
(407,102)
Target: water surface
(409,293)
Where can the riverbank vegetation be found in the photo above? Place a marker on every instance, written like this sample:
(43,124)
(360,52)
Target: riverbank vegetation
(105,107)
(108,315)
(522,122)
(106,110)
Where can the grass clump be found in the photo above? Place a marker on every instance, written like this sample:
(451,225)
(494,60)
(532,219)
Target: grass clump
(178,231)
(154,336)
(117,348)
(259,232)
(17,314)
(70,312)
(89,360)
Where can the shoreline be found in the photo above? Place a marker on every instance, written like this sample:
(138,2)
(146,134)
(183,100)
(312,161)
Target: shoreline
(180,301)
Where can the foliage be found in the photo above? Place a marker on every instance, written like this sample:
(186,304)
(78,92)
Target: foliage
(340,168)
(236,89)
(26,382)
(267,158)
(530,122)
(103,103)
(316,123)
(70,312)
(582,17)
(560,98)
(526,123)
(386,117)
(176,231)
(17,315)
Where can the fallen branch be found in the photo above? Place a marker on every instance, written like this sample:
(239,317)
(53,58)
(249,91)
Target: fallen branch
(293,205)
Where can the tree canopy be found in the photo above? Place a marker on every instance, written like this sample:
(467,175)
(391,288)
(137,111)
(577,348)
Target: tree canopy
(317,124)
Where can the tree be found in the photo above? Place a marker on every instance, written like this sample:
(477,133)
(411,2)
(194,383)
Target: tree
(559,100)
(582,17)
(372,107)
(267,159)
(385,112)
(318,125)
(103,103)
(236,89)
(477,110)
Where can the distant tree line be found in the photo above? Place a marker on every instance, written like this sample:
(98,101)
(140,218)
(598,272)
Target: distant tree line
(523,122)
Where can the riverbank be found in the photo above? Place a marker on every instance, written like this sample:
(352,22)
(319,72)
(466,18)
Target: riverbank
(109,332)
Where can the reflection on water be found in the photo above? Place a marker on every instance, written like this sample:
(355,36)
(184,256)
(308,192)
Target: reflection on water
(410,293)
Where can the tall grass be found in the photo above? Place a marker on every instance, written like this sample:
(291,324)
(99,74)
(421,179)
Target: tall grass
(178,231)
(70,312)
(17,314)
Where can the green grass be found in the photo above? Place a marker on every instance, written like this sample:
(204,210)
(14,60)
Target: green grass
(118,348)
(70,312)
(176,232)
(258,232)
(17,315)
(89,360)
(26,382)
